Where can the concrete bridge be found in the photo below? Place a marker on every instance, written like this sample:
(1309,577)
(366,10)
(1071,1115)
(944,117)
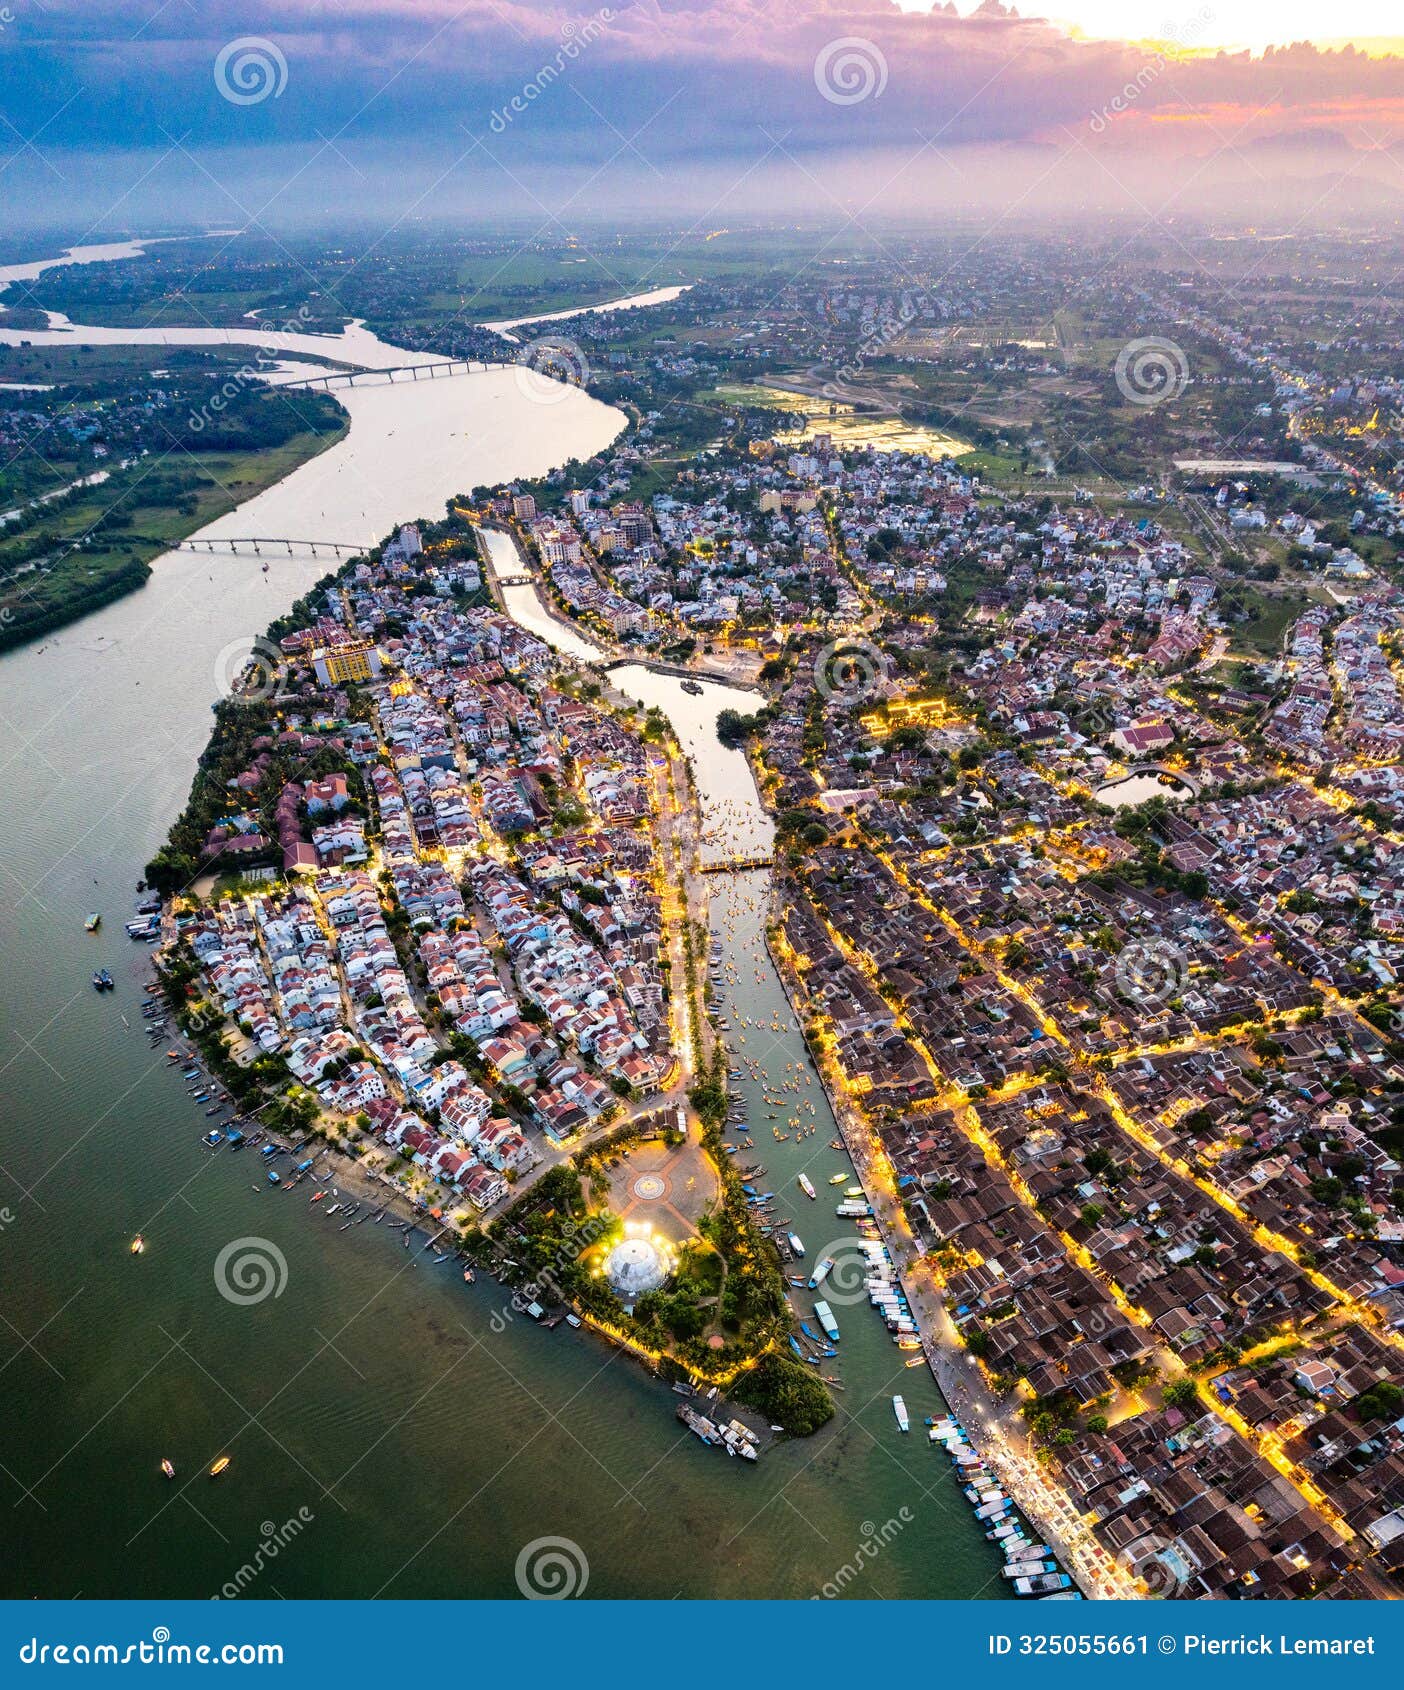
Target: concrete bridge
(278,547)
(389,376)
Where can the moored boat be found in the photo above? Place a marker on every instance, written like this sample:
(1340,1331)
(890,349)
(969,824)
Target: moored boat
(899,1408)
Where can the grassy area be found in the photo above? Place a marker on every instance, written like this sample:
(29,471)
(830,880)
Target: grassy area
(1269,619)
(117,561)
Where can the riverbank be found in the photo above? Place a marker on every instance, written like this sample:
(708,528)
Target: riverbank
(92,575)
(994,1420)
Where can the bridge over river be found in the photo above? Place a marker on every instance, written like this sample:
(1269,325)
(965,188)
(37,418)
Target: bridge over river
(392,373)
(277,545)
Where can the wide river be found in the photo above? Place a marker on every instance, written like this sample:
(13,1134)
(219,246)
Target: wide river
(373,1402)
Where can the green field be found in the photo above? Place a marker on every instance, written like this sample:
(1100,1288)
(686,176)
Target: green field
(118,562)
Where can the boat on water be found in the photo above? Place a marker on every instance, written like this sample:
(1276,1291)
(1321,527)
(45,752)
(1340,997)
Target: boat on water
(899,1408)
(93,922)
(825,1316)
(837,1179)
(916,1361)
(219,1466)
(167,1467)
(807,1187)
(821,1272)
(796,1243)
(691,688)
(1041,1584)
(138,1244)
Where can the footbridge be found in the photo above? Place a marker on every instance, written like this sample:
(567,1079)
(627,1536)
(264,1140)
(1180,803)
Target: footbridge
(739,865)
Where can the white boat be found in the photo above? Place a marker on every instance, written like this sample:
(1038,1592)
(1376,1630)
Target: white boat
(899,1408)
(821,1272)
(807,1187)
(796,1243)
(825,1316)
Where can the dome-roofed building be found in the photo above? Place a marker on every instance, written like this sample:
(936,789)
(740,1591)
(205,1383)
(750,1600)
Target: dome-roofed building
(635,1266)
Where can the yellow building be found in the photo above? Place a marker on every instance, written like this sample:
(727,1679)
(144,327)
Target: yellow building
(352,661)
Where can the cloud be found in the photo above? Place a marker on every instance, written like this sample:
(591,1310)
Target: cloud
(664,86)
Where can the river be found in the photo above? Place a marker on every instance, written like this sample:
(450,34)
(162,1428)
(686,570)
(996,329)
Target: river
(371,1401)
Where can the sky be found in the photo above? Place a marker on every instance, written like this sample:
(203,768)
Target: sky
(110,108)
(1234,23)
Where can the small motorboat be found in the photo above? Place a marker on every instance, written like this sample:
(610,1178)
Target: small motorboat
(168,1467)
(138,1244)
(93,922)
(219,1466)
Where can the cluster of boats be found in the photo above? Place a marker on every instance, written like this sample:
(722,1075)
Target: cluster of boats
(1030,1567)
(145,925)
(734,1436)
